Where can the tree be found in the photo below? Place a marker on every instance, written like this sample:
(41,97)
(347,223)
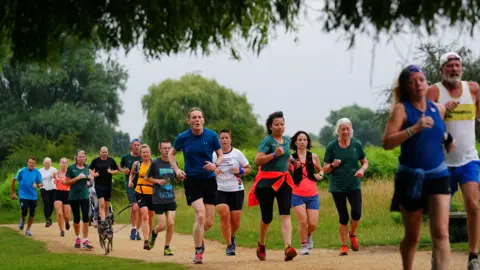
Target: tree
(120,143)
(168,26)
(166,106)
(366,129)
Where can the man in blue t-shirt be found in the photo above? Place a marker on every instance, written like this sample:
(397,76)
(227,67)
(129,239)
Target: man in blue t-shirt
(29,179)
(198,144)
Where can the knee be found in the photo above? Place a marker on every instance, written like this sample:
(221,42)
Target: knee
(356,216)
(344,219)
(312,226)
(145,216)
(472,206)
(224,216)
(235,223)
(440,234)
(101,204)
(303,223)
(412,237)
(267,219)
(135,208)
(200,217)
(171,223)
(209,222)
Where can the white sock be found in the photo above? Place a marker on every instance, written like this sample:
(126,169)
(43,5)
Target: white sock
(78,236)
(85,240)
(134,227)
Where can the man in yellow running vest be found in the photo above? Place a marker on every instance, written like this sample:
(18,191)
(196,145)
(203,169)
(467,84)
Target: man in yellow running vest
(461,100)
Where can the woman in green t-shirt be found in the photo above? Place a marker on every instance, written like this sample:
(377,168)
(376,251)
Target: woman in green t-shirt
(341,161)
(79,179)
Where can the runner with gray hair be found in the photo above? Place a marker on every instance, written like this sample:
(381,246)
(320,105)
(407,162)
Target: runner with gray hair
(47,191)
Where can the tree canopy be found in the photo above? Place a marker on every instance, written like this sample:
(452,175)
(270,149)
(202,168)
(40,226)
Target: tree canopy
(166,106)
(40,30)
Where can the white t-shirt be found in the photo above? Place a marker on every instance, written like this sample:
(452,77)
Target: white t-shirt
(227,180)
(47,178)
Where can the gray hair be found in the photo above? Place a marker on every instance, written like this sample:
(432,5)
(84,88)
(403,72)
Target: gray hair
(339,124)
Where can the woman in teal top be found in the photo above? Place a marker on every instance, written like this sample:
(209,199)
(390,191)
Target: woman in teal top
(79,179)
(341,161)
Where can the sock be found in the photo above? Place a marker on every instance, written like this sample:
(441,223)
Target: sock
(78,236)
(472,256)
(304,242)
(287,246)
(85,240)
(134,228)
(166,247)
(154,234)
(198,250)
(309,235)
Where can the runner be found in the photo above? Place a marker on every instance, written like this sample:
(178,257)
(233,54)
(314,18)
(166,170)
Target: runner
(342,156)
(62,204)
(163,177)
(461,100)
(125,167)
(422,180)
(79,179)
(230,188)
(29,179)
(48,189)
(273,181)
(305,201)
(198,144)
(102,168)
(143,191)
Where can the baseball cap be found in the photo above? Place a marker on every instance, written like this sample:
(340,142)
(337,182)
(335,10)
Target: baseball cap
(449,56)
(135,140)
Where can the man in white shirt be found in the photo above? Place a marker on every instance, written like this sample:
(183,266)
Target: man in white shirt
(48,189)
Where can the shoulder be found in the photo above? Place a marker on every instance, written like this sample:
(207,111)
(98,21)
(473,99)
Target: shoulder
(237,151)
(42,169)
(54,169)
(286,139)
(125,156)
(185,134)
(267,138)
(433,91)
(332,144)
(474,87)
(356,142)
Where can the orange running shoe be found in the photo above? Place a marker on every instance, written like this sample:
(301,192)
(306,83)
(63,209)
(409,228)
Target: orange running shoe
(344,250)
(290,253)
(354,242)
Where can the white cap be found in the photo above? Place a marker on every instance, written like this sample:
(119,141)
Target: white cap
(449,56)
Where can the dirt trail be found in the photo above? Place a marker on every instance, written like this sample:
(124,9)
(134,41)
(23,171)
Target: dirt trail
(370,258)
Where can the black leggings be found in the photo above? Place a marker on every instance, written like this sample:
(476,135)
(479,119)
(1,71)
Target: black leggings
(48,199)
(266,195)
(76,205)
(354,198)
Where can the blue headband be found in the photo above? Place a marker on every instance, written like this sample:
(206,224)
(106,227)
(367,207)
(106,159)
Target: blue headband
(414,68)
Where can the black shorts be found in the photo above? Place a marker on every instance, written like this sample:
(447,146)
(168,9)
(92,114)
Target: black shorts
(196,188)
(144,200)
(62,195)
(103,192)
(234,199)
(26,205)
(430,187)
(162,208)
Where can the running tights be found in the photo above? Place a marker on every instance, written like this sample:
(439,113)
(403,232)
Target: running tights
(266,196)
(354,197)
(48,200)
(78,205)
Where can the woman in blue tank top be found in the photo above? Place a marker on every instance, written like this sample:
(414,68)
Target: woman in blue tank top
(422,179)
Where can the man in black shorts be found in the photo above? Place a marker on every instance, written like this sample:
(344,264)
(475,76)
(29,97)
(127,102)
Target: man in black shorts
(163,177)
(102,169)
(198,144)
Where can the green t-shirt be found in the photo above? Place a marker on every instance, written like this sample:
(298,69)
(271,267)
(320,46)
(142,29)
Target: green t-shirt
(79,190)
(278,164)
(127,162)
(343,177)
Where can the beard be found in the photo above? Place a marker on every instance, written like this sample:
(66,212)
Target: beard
(453,79)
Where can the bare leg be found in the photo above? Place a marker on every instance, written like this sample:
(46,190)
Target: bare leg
(412,222)
(439,208)
(198,226)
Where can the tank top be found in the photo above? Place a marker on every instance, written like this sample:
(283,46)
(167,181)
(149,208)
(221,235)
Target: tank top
(461,124)
(59,185)
(423,150)
(143,186)
(306,187)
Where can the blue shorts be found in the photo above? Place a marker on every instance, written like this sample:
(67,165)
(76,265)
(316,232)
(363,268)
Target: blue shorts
(130,194)
(467,173)
(312,203)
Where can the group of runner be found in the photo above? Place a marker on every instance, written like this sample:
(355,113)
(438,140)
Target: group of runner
(434,127)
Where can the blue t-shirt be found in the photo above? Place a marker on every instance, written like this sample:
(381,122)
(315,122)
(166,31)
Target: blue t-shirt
(197,150)
(26,178)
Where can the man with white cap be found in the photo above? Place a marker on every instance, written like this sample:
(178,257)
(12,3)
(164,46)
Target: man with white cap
(461,100)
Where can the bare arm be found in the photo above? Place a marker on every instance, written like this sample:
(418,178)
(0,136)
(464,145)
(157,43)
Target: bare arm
(318,167)
(433,93)
(475,91)
(393,135)
(247,169)
(12,189)
(262,158)
(172,160)
(364,163)
(219,160)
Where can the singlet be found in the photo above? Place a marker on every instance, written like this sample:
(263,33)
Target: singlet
(143,186)
(305,185)
(461,124)
(59,185)
(423,150)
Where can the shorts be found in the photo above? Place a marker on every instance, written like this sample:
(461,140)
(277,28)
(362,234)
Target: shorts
(312,202)
(62,195)
(162,208)
(234,199)
(435,186)
(103,192)
(26,205)
(464,174)
(144,200)
(131,195)
(197,188)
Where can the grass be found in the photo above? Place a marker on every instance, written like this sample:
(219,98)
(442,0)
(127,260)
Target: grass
(19,252)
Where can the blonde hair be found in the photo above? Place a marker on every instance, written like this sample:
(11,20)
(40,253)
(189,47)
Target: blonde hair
(339,124)
(145,146)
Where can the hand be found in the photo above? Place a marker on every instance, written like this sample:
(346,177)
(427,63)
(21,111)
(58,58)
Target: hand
(13,196)
(236,170)
(279,150)
(109,171)
(422,123)
(126,171)
(297,164)
(180,174)
(451,105)
(336,163)
(217,171)
(96,174)
(35,185)
(360,173)
(130,184)
(162,182)
(318,176)
(89,183)
(210,166)
(54,181)
(450,147)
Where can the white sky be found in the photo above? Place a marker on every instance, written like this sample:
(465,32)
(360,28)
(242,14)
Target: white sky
(305,80)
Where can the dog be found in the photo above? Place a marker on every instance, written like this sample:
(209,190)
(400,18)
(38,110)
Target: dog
(105,234)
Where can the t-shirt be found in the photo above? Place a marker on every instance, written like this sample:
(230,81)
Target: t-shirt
(47,178)
(162,194)
(143,186)
(79,190)
(226,179)
(278,164)
(343,177)
(127,162)
(26,178)
(197,150)
(104,179)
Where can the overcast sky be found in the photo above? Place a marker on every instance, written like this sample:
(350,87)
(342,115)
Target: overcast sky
(305,80)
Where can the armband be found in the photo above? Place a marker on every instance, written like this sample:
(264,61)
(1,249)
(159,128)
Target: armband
(242,171)
(274,155)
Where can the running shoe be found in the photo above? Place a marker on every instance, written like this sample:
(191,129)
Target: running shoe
(145,245)
(234,242)
(167,252)
(304,250)
(344,250)
(473,264)
(138,236)
(203,247)
(151,239)
(230,250)
(77,243)
(133,233)
(354,242)
(290,253)
(67,225)
(21,224)
(62,233)
(261,252)
(28,233)
(310,242)
(87,244)
(198,258)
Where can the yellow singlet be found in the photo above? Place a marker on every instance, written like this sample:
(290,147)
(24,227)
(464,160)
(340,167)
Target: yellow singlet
(142,184)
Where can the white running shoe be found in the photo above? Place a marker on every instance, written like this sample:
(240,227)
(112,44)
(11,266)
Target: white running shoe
(304,250)
(310,242)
